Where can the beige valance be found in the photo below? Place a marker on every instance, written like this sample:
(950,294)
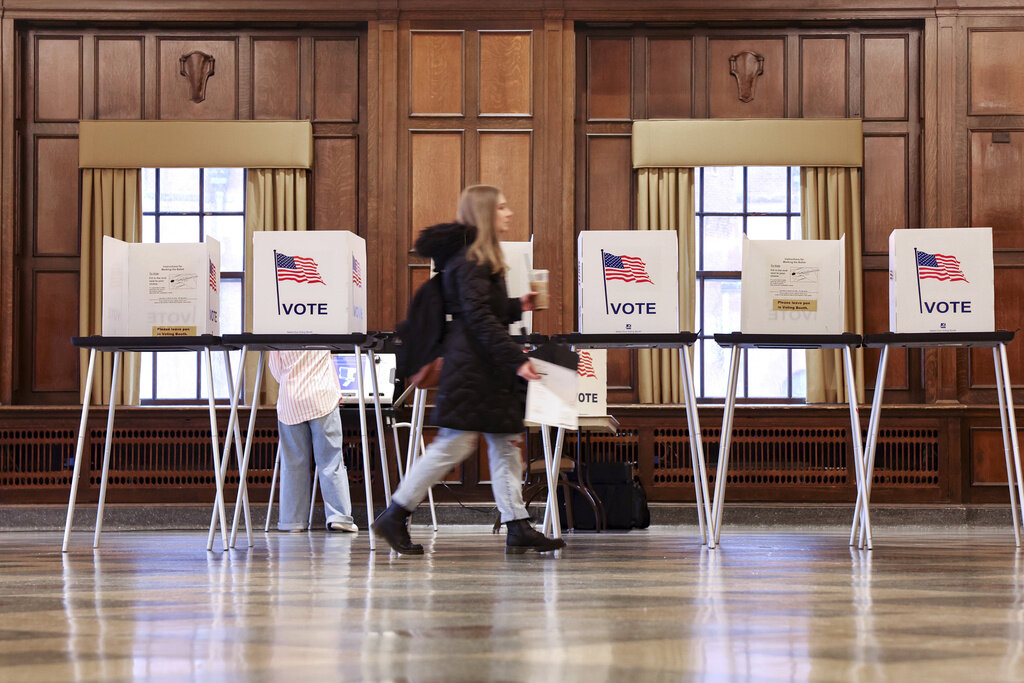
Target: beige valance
(191,144)
(687,143)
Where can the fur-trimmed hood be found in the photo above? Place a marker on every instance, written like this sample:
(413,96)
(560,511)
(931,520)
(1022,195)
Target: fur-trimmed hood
(442,241)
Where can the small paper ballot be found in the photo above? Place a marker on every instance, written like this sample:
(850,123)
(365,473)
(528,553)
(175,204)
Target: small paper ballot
(628,281)
(519,259)
(311,282)
(793,287)
(941,280)
(160,290)
(592,374)
(551,400)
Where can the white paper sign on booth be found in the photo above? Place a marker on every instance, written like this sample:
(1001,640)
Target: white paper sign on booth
(161,290)
(793,287)
(628,281)
(941,280)
(519,259)
(311,282)
(593,382)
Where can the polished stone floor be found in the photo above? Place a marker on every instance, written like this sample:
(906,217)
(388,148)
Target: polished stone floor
(926,604)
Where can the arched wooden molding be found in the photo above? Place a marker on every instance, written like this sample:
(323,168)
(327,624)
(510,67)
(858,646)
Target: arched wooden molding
(746,66)
(197,67)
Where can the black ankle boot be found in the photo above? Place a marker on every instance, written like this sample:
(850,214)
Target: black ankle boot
(522,537)
(392,526)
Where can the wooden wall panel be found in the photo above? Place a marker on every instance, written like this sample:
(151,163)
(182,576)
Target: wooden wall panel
(995,73)
(506,161)
(824,77)
(609,69)
(275,78)
(997,187)
(336,80)
(54,360)
(437,177)
(336,190)
(988,461)
(669,78)
(885,190)
(506,74)
(876,320)
(58,78)
(119,78)
(770,90)
(56,196)
(437,76)
(886,78)
(221,100)
(1009,297)
(609,183)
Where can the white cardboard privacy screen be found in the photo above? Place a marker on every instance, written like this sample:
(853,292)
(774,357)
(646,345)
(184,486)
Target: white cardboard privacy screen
(519,259)
(793,287)
(311,282)
(593,382)
(160,290)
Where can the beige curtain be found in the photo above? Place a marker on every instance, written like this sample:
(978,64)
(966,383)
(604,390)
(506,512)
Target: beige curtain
(111,205)
(830,207)
(665,202)
(275,199)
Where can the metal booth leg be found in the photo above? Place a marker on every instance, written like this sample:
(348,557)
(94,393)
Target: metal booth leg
(1012,419)
(86,395)
(552,457)
(862,510)
(215,445)
(381,446)
(858,445)
(115,385)
(722,472)
(700,473)
(243,467)
(1011,470)
(235,390)
(366,448)
(273,486)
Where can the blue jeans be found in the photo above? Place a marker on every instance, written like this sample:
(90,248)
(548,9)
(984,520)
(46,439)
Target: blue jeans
(322,438)
(448,449)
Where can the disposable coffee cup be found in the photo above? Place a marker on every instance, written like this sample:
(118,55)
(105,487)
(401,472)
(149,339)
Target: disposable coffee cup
(539,285)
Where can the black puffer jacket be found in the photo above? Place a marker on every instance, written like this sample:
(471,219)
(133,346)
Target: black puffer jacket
(479,389)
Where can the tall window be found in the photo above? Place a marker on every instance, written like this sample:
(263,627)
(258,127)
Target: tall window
(732,201)
(189,205)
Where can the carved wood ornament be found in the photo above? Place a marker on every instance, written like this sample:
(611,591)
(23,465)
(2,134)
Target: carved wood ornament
(746,66)
(196,67)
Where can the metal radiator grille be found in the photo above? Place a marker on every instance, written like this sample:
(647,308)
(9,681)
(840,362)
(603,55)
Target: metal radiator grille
(907,458)
(36,458)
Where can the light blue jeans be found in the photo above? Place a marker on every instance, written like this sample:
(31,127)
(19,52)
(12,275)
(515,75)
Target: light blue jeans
(322,438)
(448,449)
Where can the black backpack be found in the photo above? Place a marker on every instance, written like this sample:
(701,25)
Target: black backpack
(419,337)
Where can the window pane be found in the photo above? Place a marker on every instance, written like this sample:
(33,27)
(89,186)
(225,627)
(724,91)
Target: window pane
(716,371)
(220,378)
(721,306)
(149,228)
(699,304)
(794,190)
(722,243)
(799,374)
(145,376)
(179,189)
(176,375)
(697,174)
(698,351)
(723,189)
(230,232)
(796,228)
(767,227)
(768,370)
(224,189)
(148,189)
(766,189)
(231,306)
(179,229)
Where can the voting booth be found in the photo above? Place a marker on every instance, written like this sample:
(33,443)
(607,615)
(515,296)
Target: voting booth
(519,259)
(628,281)
(793,287)
(941,280)
(592,372)
(311,282)
(161,290)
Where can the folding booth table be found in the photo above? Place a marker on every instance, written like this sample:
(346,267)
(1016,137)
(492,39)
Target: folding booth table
(680,341)
(739,342)
(997,341)
(118,345)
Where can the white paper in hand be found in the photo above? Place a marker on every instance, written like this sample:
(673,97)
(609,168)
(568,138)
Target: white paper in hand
(551,400)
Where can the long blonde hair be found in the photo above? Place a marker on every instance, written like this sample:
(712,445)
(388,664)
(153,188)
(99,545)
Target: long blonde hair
(478,206)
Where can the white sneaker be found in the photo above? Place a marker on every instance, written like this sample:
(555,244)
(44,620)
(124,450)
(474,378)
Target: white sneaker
(350,527)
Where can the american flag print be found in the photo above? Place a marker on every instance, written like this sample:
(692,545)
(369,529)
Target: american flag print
(939,267)
(357,273)
(297,269)
(213,277)
(625,268)
(585,367)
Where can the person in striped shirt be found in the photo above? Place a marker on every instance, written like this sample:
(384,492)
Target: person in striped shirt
(308,423)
